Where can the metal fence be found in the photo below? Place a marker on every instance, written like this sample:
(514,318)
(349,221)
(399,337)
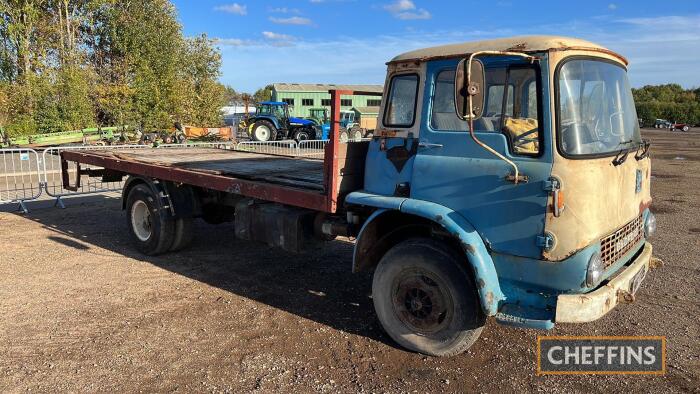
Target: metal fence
(53,182)
(20,176)
(286,147)
(27,175)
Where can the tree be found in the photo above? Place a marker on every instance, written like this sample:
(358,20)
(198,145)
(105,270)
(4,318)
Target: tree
(263,94)
(77,63)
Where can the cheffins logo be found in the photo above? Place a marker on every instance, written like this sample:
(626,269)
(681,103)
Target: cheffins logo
(601,355)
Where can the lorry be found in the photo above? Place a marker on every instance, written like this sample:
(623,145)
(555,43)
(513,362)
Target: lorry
(507,179)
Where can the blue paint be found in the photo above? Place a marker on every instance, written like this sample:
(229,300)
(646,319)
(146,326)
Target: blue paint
(373,200)
(381,176)
(470,180)
(460,186)
(477,255)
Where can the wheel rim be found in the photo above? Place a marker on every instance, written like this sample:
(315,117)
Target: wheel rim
(141,221)
(262,133)
(302,136)
(421,303)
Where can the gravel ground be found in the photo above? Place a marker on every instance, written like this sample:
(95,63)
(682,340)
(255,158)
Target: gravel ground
(83,312)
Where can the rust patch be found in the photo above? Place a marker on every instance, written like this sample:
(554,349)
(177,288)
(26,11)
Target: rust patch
(643,205)
(469,248)
(481,283)
(489,299)
(517,47)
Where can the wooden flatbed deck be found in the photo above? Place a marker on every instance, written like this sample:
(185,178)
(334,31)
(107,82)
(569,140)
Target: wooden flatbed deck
(309,183)
(297,172)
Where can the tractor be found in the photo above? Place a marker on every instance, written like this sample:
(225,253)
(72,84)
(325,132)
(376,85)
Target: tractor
(272,122)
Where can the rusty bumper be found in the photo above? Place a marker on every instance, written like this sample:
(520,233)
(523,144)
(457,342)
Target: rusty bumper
(582,308)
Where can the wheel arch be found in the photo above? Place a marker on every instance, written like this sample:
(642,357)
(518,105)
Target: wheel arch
(419,218)
(182,200)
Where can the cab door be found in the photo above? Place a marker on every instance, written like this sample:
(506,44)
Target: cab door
(452,170)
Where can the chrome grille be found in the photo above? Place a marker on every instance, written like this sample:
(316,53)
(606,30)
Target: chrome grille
(615,245)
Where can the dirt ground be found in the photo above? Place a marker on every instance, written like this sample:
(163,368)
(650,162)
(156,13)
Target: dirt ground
(81,311)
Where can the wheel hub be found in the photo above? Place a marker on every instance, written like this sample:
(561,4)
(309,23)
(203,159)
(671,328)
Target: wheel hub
(421,303)
(141,221)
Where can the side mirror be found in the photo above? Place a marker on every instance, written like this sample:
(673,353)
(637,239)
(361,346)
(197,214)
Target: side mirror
(473,87)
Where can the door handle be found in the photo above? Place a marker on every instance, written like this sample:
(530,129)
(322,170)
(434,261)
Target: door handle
(427,145)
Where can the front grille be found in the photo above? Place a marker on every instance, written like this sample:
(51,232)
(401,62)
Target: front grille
(615,245)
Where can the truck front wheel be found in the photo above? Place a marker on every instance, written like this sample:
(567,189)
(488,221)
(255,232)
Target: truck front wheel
(152,231)
(425,298)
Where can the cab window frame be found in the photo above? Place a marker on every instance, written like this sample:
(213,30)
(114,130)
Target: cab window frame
(540,105)
(387,105)
(540,118)
(557,106)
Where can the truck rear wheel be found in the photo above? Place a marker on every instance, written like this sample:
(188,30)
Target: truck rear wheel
(426,299)
(184,233)
(152,231)
(264,131)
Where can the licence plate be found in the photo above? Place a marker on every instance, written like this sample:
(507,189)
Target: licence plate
(637,280)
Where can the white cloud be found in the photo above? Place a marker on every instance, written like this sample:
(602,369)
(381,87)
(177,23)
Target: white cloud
(407,10)
(284,10)
(231,42)
(293,20)
(420,14)
(277,36)
(660,50)
(399,6)
(612,6)
(234,8)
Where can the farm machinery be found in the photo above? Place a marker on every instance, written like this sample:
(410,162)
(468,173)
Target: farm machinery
(272,122)
(95,135)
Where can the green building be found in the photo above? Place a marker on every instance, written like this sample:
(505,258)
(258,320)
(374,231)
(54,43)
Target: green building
(303,96)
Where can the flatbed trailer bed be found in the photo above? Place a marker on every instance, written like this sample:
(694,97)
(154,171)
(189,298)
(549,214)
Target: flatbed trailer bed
(296,181)
(257,175)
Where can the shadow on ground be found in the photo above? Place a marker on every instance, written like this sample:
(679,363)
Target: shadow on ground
(316,285)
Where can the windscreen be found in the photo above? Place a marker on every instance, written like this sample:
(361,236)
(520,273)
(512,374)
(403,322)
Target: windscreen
(597,116)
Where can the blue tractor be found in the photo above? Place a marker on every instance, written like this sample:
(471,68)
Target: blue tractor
(272,122)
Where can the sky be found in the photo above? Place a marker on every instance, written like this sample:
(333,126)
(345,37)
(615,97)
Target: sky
(350,41)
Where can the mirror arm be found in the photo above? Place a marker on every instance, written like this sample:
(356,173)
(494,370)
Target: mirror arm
(516,177)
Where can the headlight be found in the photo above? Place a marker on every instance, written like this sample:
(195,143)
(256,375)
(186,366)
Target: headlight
(650,225)
(595,270)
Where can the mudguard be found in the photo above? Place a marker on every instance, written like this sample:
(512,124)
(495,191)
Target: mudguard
(486,278)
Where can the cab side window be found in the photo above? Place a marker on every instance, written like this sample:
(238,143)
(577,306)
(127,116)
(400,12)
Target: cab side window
(401,105)
(520,123)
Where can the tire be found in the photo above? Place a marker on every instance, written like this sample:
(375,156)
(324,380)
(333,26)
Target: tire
(356,134)
(304,135)
(150,227)
(184,234)
(264,131)
(426,299)
(343,137)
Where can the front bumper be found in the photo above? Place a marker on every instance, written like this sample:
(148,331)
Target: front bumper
(582,308)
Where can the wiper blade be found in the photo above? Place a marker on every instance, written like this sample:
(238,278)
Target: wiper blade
(620,157)
(644,146)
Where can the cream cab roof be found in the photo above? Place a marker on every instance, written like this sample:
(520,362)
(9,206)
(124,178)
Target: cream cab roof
(518,44)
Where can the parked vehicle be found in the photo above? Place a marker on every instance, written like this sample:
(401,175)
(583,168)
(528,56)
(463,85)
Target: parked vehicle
(680,126)
(94,135)
(662,124)
(272,122)
(465,205)
(318,116)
